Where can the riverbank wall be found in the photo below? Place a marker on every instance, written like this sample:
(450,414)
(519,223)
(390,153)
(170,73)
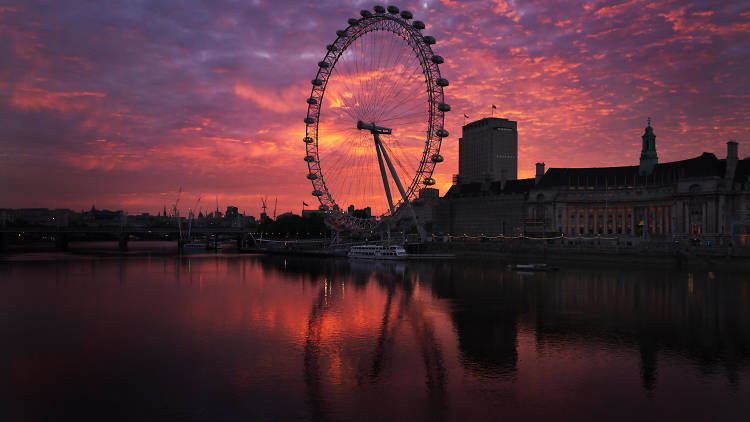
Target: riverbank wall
(557,253)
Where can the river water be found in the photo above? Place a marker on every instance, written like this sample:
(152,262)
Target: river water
(233,337)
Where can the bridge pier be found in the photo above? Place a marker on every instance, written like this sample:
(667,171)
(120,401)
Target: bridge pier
(122,242)
(4,241)
(61,241)
(180,245)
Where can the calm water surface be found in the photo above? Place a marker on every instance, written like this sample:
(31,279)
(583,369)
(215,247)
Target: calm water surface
(268,338)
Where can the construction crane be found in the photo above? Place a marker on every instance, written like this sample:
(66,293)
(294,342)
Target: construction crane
(263,201)
(191,216)
(191,211)
(175,211)
(275,201)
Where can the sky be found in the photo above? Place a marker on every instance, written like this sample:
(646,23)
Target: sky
(118,104)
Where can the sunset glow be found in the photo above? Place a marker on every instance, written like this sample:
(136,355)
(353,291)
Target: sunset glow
(119,105)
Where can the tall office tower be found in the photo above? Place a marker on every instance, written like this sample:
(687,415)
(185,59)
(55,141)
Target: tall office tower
(488,151)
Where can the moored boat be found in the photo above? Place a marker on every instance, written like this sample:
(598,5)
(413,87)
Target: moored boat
(194,246)
(532,267)
(377,252)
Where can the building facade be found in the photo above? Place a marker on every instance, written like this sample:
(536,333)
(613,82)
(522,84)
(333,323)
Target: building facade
(702,197)
(487,208)
(488,151)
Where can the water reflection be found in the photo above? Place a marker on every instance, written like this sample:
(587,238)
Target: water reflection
(371,367)
(283,338)
(487,305)
(706,321)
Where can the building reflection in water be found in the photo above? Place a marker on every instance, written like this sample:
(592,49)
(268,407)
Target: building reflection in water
(706,321)
(487,306)
(699,317)
(294,338)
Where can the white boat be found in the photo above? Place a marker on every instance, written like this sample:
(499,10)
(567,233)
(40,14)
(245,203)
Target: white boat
(201,245)
(377,252)
(194,245)
(532,267)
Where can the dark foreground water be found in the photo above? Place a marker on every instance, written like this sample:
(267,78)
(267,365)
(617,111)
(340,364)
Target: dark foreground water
(268,338)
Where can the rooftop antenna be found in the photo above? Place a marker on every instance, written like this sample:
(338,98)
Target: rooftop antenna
(217,207)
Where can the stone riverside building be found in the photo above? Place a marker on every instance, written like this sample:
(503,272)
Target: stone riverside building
(704,197)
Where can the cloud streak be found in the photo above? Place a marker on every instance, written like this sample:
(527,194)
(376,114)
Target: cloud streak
(119,105)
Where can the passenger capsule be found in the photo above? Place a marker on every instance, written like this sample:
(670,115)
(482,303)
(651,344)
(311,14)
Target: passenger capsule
(341,32)
(393,10)
(442,82)
(406,14)
(317,193)
(309,120)
(429,181)
(442,133)
(437,59)
(429,39)
(316,82)
(312,176)
(418,24)
(353,21)
(308,140)
(309,158)
(379,9)
(331,47)
(312,101)
(436,158)
(365,13)
(444,107)
(323,64)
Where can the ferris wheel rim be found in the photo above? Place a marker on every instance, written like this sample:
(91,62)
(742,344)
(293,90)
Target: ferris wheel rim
(429,62)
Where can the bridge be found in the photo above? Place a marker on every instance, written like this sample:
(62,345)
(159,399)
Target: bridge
(62,235)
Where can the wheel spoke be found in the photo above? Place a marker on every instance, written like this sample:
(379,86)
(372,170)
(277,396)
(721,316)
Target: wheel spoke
(379,78)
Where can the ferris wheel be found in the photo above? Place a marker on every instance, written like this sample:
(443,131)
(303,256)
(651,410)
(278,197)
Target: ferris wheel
(375,118)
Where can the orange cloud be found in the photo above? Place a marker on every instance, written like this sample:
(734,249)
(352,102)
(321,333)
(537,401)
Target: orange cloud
(277,101)
(29,98)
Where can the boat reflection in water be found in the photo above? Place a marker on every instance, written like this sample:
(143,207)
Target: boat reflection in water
(230,337)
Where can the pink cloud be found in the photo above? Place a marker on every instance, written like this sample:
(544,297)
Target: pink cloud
(37,98)
(123,110)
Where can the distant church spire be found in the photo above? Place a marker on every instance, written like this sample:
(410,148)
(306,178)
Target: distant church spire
(649,159)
